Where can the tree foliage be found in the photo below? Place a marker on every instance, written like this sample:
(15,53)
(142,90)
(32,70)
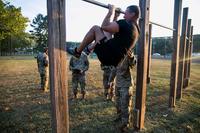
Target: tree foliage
(162,45)
(12,22)
(12,27)
(196,43)
(40,31)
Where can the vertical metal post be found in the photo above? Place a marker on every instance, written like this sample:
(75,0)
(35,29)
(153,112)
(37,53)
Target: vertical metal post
(140,102)
(149,55)
(175,55)
(185,82)
(58,72)
(182,54)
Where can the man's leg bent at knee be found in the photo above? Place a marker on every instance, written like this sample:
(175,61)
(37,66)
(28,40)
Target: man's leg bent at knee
(94,34)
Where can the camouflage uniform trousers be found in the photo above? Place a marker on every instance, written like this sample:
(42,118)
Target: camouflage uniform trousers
(44,81)
(108,90)
(78,79)
(124,103)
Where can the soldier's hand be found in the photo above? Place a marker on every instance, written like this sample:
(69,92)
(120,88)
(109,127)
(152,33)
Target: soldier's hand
(130,54)
(117,13)
(111,9)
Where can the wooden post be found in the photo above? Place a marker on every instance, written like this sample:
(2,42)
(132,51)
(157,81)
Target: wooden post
(182,54)
(185,81)
(142,66)
(149,55)
(58,72)
(175,55)
(190,55)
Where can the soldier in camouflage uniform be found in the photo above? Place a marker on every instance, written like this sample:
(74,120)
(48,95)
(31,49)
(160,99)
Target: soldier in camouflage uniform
(79,66)
(124,89)
(107,82)
(43,69)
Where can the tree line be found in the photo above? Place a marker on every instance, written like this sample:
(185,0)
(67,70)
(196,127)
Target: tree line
(13,37)
(12,27)
(164,45)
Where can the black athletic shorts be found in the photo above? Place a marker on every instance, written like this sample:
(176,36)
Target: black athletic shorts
(108,53)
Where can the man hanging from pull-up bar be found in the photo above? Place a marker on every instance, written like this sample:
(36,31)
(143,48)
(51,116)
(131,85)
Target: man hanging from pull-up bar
(110,51)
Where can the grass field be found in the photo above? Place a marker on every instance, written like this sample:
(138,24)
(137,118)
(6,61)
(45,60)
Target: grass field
(24,108)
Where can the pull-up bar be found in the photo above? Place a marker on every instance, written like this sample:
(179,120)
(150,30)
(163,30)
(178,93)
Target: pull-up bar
(118,10)
(102,5)
(162,26)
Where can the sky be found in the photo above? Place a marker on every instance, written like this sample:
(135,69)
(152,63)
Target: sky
(81,16)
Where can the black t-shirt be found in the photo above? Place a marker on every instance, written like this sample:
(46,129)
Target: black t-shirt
(114,50)
(123,39)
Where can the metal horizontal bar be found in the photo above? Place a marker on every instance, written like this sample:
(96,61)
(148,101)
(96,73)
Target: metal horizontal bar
(106,6)
(162,26)
(101,5)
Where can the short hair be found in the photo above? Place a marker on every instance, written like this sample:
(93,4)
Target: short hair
(135,9)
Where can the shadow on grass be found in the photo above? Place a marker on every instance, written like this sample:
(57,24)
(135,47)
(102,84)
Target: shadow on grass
(27,118)
(93,115)
(184,118)
(177,122)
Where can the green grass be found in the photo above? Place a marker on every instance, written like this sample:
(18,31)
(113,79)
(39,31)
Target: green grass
(24,108)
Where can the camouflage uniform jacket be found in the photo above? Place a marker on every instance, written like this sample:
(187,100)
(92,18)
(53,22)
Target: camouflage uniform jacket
(43,63)
(123,72)
(79,65)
